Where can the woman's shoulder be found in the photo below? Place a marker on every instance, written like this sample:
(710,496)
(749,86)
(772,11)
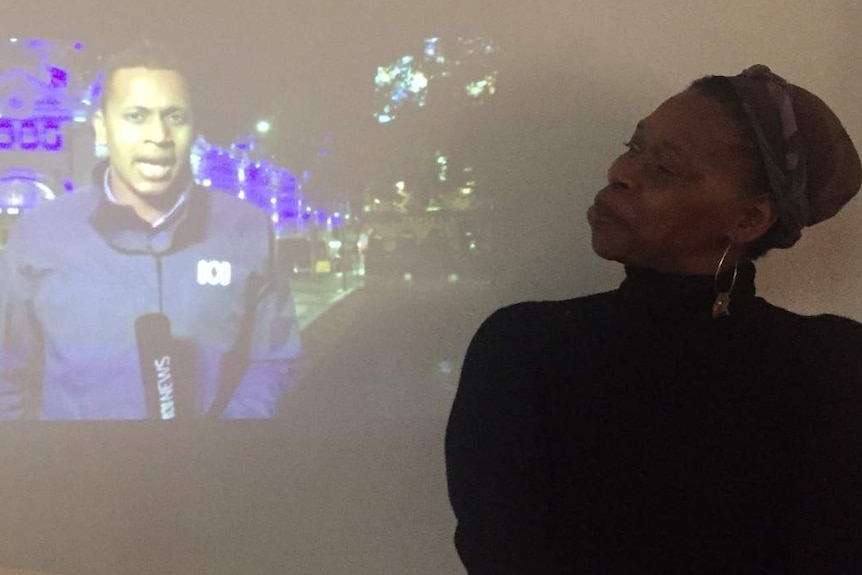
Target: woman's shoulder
(541,312)
(539,324)
(819,329)
(835,337)
(826,348)
(831,324)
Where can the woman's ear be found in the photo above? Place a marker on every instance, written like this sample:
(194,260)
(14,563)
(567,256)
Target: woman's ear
(759,215)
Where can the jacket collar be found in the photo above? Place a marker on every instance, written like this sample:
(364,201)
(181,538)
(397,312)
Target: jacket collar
(125,231)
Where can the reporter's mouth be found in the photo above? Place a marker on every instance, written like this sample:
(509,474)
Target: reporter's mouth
(155,169)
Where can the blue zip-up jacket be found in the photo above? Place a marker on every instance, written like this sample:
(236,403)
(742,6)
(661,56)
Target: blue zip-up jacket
(77,272)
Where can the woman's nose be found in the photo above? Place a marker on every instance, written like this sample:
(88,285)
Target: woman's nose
(622,171)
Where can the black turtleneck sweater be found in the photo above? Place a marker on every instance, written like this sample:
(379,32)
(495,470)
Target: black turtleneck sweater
(630,432)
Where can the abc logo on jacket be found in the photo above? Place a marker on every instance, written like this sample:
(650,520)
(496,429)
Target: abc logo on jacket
(214,273)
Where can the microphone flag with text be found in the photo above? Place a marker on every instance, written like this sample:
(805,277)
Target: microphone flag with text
(155,349)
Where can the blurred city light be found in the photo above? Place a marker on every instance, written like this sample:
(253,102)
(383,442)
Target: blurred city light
(467,63)
(263,127)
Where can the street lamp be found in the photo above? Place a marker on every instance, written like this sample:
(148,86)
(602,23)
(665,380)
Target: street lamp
(263,127)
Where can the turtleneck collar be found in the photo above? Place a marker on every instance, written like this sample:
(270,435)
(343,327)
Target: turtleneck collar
(683,297)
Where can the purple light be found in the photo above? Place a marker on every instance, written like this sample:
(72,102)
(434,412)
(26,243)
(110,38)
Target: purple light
(59,78)
(32,133)
(79,46)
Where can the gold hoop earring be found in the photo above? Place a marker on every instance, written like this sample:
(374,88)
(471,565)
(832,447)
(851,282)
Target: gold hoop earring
(721,305)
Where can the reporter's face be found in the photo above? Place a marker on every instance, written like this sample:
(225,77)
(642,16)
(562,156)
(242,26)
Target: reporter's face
(146,124)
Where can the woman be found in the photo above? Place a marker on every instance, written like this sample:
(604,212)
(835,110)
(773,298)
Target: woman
(678,423)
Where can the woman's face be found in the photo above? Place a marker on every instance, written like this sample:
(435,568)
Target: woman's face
(675,198)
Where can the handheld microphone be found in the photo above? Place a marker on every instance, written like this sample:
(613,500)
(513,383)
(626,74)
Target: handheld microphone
(153,335)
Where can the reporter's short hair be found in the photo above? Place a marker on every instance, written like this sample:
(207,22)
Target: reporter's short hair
(143,55)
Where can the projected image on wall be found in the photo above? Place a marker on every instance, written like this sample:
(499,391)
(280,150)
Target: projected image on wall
(152,271)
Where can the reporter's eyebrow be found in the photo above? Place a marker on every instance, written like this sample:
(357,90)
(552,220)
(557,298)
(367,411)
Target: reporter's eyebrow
(173,108)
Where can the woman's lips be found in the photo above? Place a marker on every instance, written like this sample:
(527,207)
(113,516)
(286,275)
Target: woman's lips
(600,212)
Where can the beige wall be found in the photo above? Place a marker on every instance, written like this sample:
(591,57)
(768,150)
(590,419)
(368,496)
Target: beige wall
(627,56)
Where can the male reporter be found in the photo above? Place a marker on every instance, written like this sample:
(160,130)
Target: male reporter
(143,295)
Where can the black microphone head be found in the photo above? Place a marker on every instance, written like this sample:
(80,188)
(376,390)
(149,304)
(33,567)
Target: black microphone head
(152,325)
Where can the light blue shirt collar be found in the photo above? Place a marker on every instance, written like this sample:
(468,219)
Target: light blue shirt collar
(113,199)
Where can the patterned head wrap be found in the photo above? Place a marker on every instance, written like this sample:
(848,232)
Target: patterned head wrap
(812,165)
